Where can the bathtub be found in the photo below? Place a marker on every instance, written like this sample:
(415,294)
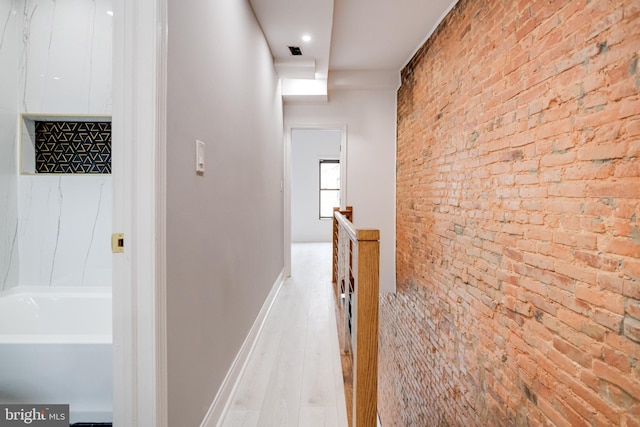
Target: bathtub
(55,348)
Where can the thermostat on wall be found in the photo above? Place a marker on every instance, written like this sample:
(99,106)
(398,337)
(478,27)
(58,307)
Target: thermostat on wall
(199,157)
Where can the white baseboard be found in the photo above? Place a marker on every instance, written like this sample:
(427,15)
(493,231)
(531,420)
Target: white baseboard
(220,405)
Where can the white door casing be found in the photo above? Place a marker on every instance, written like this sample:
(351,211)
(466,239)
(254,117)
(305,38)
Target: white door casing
(287,181)
(139,277)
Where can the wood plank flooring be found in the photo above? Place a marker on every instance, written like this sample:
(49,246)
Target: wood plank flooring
(294,377)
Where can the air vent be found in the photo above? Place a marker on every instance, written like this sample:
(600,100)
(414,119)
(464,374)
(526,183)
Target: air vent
(295,50)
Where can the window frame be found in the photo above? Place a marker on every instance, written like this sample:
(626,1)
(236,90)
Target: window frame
(320,189)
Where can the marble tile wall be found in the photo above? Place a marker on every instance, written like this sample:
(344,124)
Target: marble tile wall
(63,66)
(64,232)
(8,135)
(65,57)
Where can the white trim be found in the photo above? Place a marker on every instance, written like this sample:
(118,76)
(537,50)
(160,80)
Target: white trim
(287,202)
(221,403)
(343,167)
(287,181)
(139,106)
(162,399)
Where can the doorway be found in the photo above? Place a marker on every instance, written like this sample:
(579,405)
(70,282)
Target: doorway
(310,153)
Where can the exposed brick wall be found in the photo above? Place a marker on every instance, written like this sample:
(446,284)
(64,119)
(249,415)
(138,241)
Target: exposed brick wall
(518,220)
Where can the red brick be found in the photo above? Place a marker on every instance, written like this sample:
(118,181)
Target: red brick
(633,308)
(616,150)
(576,272)
(632,127)
(587,389)
(621,246)
(568,189)
(556,251)
(558,159)
(591,224)
(616,359)
(600,298)
(533,151)
(624,189)
(632,269)
(611,281)
(629,169)
(564,205)
(540,261)
(600,208)
(634,148)
(607,319)
(617,396)
(572,352)
(589,170)
(599,261)
(629,384)
(570,411)
(568,300)
(630,421)
(577,321)
(632,329)
(552,414)
(583,241)
(623,344)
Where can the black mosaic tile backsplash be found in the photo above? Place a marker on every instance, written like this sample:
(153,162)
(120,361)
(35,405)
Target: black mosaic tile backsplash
(73,147)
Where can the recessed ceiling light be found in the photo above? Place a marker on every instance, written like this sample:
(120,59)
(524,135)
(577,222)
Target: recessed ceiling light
(306,38)
(110,12)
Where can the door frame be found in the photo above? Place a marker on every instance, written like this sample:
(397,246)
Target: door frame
(287,180)
(139,211)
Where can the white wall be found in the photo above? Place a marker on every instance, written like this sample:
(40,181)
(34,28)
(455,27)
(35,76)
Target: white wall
(225,228)
(64,67)
(8,135)
(308,146)
(370,116)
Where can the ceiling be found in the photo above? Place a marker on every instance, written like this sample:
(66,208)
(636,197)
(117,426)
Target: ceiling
(353,42)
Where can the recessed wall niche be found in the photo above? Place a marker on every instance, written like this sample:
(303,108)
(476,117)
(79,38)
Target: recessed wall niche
(65,144)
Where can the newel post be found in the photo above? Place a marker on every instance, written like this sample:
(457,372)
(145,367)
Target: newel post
(365,367)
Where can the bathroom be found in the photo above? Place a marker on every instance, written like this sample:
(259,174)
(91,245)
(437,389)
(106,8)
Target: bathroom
(55,216)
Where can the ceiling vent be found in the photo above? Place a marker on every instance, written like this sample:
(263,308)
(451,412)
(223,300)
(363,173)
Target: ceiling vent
(295,50)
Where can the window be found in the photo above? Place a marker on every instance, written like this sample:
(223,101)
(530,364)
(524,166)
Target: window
(329,187)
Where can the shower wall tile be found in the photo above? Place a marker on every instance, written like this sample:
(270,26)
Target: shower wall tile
(8,55)
(64,67)
(65,62)
(8,201)
(8,135)
(65,230)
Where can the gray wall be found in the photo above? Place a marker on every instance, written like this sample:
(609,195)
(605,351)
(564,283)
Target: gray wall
(224,228)
(308,146)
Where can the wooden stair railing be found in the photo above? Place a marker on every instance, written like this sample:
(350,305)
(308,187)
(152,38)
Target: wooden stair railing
(356,264)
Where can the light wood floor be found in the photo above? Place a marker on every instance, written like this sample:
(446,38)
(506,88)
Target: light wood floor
(294,377)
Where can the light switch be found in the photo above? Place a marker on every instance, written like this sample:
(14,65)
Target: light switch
(199,157)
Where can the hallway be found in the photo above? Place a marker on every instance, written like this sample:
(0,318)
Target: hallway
(294,375)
